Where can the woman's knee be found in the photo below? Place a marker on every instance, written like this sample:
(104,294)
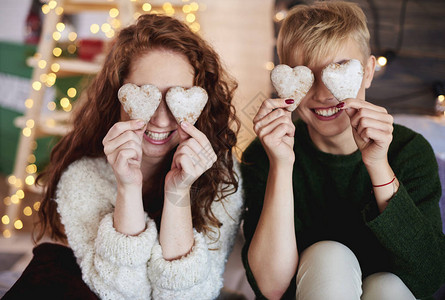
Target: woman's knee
(328,270)
(385,286)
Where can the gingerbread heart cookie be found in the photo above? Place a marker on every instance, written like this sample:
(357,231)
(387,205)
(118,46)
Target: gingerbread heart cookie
(343,80)
(186,104)
(139,102)
(292,83)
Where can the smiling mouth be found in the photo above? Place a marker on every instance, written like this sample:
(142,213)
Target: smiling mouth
(326,112)
(158,136)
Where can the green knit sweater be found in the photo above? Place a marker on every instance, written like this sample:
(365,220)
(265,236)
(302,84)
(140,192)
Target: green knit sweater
(334,201)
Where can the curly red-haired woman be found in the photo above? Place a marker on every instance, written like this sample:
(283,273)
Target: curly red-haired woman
(150,210)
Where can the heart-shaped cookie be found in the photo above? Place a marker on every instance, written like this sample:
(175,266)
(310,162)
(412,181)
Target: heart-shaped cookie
(186,104)
(292,83)
(343,80)
(139,102)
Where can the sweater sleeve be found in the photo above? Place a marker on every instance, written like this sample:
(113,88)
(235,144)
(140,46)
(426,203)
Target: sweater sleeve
(113,264)
(199,274)
(410,226)
(254,170)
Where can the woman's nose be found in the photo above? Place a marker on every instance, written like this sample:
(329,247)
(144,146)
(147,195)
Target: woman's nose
(319,90)
(162,116)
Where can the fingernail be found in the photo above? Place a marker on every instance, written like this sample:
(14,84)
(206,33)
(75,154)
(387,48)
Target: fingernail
(184,124)
(340,105)
(140,123)
(289,101)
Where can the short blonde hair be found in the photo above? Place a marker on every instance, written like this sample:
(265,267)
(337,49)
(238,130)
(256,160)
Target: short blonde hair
(319,30)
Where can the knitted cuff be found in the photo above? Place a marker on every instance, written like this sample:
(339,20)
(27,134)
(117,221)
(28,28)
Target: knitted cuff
(121,249)
(182,273)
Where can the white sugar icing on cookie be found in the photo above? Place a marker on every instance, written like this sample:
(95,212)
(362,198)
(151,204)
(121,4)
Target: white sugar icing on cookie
(343,80)
(186,104)
(292,83)
(139,102)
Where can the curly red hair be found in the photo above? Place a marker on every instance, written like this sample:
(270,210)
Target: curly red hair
(101,110)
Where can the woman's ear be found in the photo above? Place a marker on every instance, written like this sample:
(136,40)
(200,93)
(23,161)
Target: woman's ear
(369,71)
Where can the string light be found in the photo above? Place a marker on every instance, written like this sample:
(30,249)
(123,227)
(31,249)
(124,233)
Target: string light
(15,199)
(72,36)
(45,8)
(41,64)
(51,106)
(31,169)
(60,27)
(110,33)
(27,211)
(59,10)
(52,4)
(114,12)
(55,67)
(20,194)
(30,123)
(146,7)
(31,158)
(105,27)
(5,220)
(37,85)
(71,92)
(64,102)
(7,201)
(195,27)
(29,103)
(12,180)
(36,205)
(190,18)
(57,52)
(194,6)
(94,28)
(26,132)
(29,180)
(18,224)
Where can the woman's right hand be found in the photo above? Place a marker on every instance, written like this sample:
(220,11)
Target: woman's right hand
(123,148)
(273,126)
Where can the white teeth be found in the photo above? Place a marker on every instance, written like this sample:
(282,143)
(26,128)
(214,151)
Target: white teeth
(157,136)
(327,112)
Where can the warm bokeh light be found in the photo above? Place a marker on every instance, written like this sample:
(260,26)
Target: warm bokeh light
(31,158)
(36,205)
(72,49)
(20,194)
(37,85)
(60,27)
(30,180)
(15,199)
(269,66)
(29,103)
(71,92)
(114,12)
(6,234)
(55,67)
(64,102)
(382,61)
(31,169)
(26,132)
(51,106)
(59,10)
(45,8)
(146,7)
(94,28)
(52,4)
(30,123)
(190,18)
(72,36)
(41,64)
(5,220)
(105,27)
(27,211)
(18,224)
(441,98)
(57,52)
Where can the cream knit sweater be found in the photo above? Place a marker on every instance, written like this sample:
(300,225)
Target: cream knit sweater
(117,266)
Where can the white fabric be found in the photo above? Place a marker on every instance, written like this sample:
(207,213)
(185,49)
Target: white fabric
(117,266)
(329,270)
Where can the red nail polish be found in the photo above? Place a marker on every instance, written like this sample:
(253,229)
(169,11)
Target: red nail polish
(340,105)
(289,101)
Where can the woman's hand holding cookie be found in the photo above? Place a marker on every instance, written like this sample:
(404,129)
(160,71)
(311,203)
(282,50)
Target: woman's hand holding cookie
(273,126)
(372,127)
(123,148)
(192,158)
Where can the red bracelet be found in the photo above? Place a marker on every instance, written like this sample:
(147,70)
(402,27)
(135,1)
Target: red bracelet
(380,185)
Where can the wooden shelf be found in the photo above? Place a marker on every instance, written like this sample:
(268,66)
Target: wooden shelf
(70,66)
(55,123)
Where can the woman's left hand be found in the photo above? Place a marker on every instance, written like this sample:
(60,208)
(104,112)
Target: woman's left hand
(192,158)
(372,128)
